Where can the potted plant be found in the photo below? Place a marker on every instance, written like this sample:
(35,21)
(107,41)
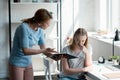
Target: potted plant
(115,59)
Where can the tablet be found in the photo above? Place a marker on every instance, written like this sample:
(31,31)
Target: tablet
(59,56)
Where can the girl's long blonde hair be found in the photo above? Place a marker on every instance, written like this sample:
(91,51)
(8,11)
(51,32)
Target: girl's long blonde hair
(79,32)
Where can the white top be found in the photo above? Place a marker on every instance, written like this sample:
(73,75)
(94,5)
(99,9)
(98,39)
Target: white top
(76,62)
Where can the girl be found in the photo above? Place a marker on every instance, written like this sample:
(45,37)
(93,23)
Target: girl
(73,69)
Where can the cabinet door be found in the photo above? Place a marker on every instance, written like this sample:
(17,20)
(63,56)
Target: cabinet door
(21,11)
(25,10)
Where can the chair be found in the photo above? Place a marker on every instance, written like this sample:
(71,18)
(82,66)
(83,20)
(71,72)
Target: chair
(50,67)
(38,65)
(48,75)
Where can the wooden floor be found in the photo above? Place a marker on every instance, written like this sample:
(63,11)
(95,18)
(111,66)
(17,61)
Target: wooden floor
(36,78)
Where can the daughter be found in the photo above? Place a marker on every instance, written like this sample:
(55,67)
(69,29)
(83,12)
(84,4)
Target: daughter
(73,69)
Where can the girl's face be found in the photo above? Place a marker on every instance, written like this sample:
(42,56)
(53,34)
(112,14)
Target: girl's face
(82,40)
(45,25)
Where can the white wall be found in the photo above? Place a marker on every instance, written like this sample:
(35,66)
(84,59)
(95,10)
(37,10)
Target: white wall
(100,48)
(4,39)
(87,14)
(104,47)
(83,16)
(67,19)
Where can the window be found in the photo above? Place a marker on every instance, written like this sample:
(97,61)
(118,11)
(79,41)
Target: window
(109,14)
(103,14)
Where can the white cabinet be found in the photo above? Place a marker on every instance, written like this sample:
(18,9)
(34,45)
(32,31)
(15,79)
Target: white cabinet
(26,9)
(22,10)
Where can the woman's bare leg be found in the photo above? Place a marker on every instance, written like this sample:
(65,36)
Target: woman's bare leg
(15,73)
(28,73)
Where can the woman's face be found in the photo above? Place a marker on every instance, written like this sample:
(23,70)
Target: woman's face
(45,25)
(82,40)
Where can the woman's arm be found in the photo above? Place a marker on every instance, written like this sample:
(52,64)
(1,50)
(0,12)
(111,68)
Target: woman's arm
(30,51)
(67,69)
(42,49)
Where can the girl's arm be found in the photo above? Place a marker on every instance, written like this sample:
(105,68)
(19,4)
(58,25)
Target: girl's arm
(67,69)
(88,57)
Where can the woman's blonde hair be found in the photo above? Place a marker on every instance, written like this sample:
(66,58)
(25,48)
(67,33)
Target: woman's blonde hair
(79,32)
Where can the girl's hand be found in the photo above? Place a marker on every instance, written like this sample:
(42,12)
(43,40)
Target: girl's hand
(58,57)
(86,69)
(85,50)
(80,46)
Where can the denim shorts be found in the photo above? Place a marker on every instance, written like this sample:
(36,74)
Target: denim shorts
(69,78)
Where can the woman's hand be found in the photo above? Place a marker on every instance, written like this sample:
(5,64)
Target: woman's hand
(58,57)
(49,51)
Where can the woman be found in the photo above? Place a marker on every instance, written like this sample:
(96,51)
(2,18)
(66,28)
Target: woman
(28,33)
(73,69)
